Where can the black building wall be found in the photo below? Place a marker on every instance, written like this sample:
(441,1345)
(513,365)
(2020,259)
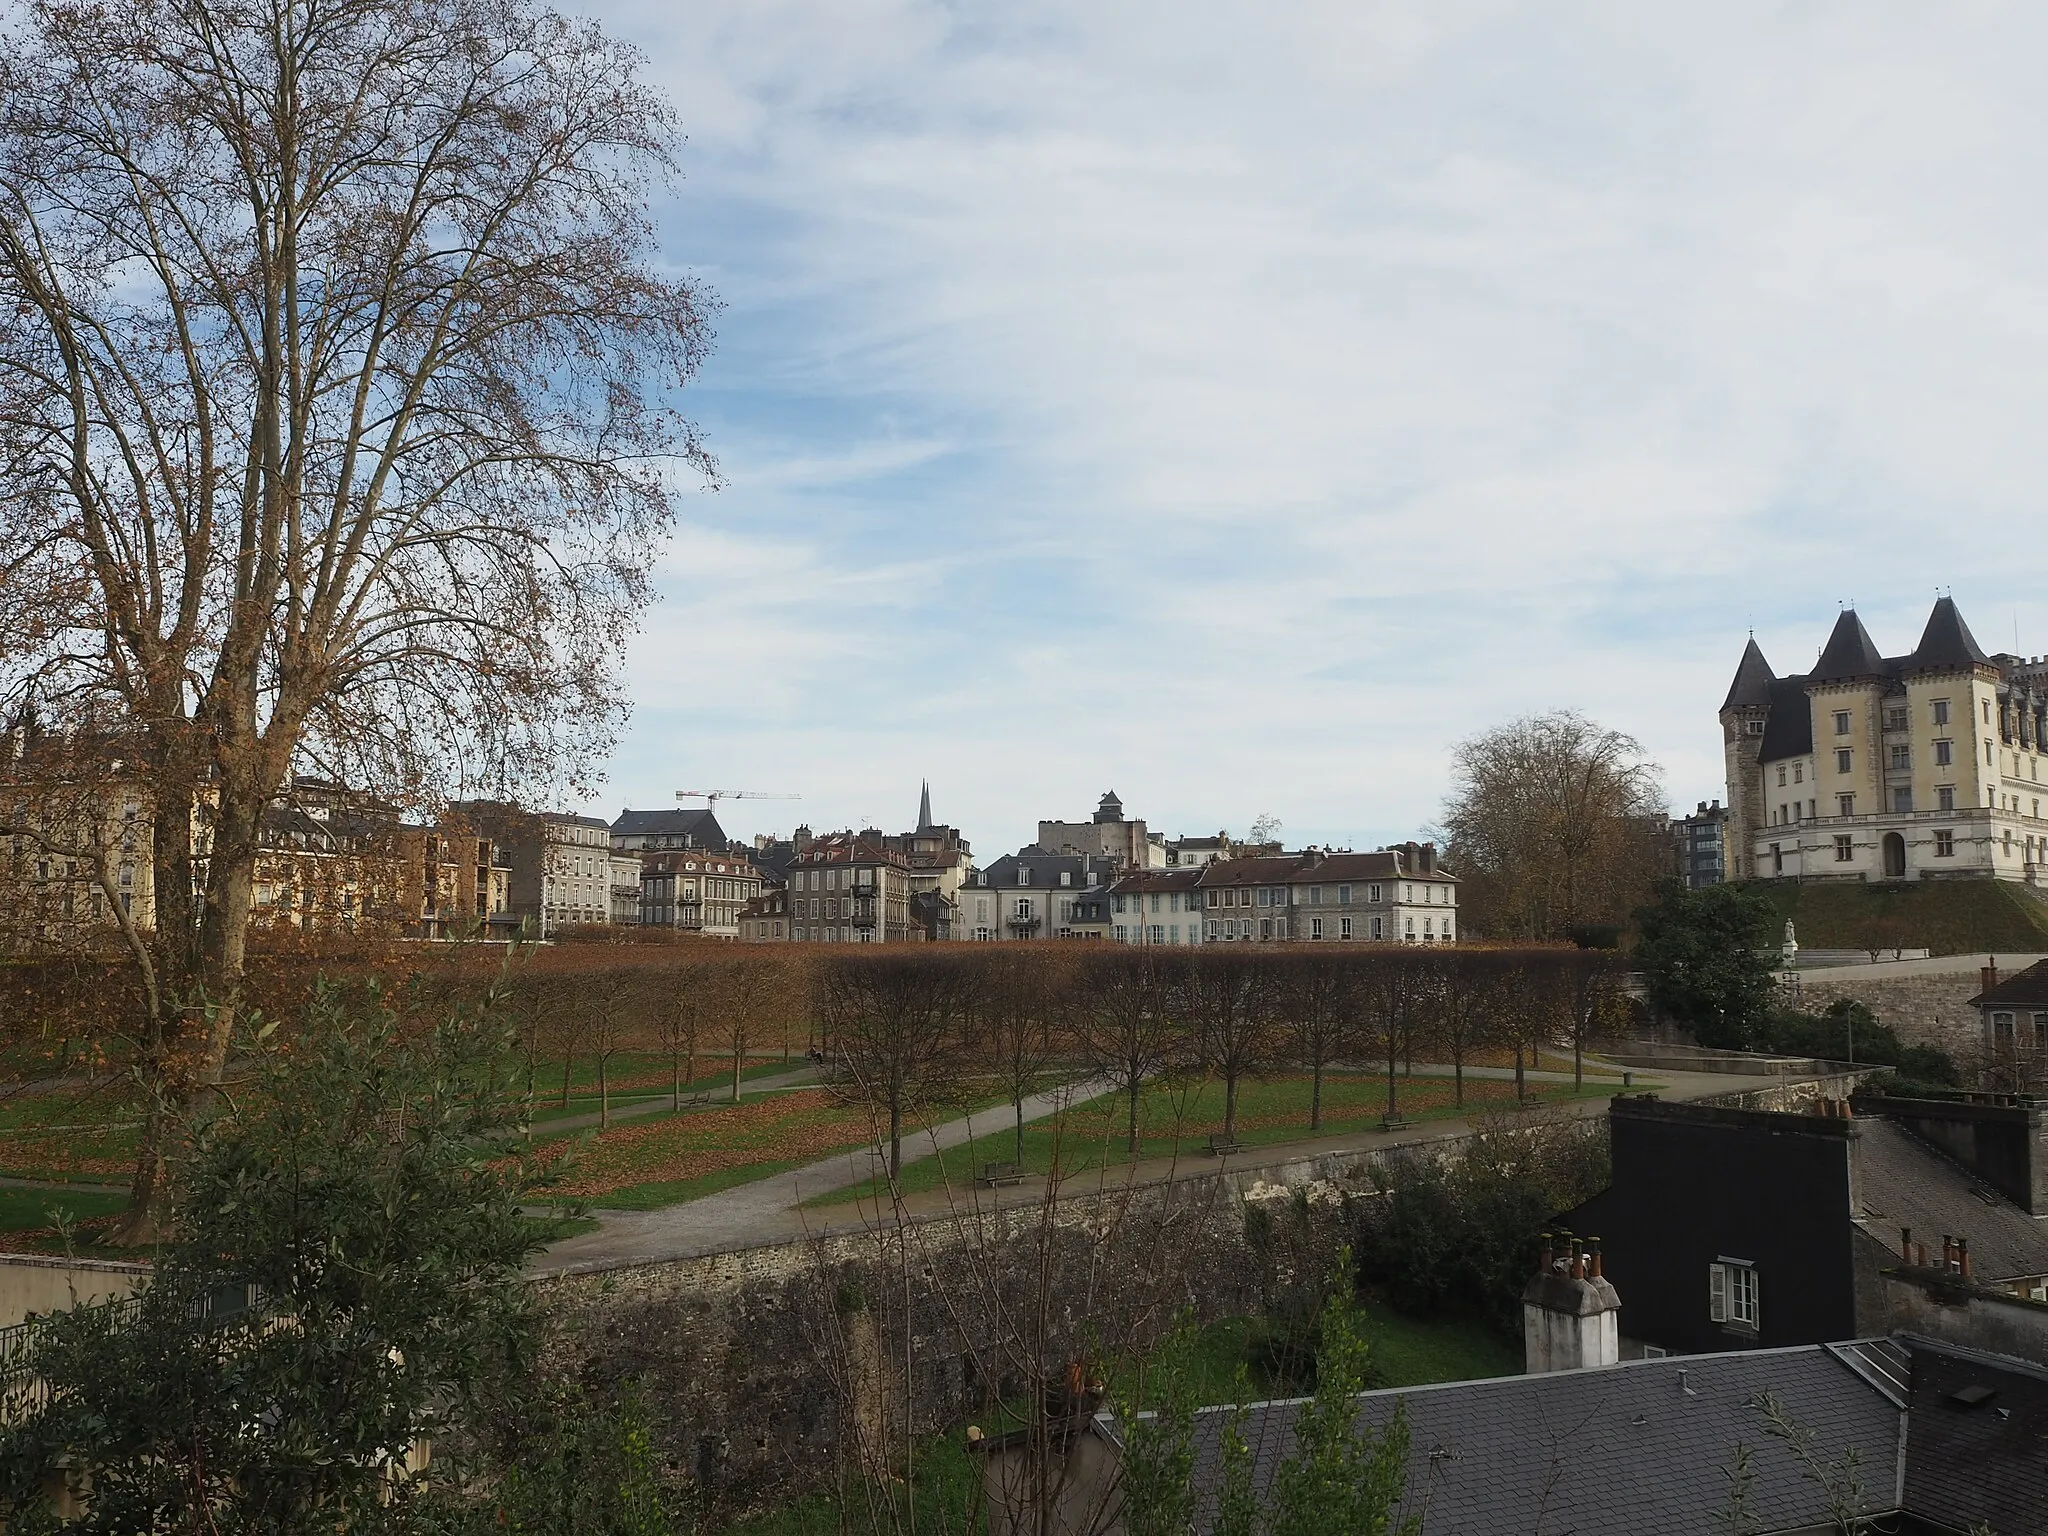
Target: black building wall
(1694,1184)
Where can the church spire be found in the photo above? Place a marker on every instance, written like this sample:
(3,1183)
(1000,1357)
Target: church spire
(924,808)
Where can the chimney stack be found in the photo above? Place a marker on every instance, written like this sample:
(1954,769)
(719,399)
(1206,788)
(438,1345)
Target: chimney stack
(1571,1316)
(1988,975)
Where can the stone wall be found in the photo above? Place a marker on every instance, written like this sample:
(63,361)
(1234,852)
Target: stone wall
(1924,1010)
(1955,1313)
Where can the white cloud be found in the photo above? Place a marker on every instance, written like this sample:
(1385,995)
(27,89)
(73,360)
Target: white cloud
(1238,405)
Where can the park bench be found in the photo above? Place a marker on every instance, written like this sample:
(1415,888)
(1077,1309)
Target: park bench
(996,1175)
(1394,1122)
(1221,1145)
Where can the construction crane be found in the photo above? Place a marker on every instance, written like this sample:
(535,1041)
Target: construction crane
(713,796)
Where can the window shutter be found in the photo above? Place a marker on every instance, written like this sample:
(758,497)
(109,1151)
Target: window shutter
(1717,1292)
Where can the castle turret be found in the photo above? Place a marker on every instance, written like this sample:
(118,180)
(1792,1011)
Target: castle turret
(1744,714)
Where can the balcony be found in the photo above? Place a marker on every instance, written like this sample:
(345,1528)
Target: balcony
(1019,923)
(863,914)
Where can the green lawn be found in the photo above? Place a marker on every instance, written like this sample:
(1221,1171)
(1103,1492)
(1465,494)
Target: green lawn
(1178,1122)
(25,1210)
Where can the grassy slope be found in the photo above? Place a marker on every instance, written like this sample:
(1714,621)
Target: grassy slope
(1947,917)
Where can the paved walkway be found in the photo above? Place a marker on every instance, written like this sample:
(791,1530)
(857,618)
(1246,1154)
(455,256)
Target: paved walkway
(781,1082)
(770,1210)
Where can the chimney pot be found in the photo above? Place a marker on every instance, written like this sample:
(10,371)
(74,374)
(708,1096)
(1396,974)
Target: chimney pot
(1963,1257)
(1906,1244)
(1593,1252)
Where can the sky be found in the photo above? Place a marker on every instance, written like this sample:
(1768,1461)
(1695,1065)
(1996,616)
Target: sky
(1238,405)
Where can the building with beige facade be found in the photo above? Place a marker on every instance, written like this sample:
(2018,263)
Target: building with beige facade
(1926,766)
(1106,835)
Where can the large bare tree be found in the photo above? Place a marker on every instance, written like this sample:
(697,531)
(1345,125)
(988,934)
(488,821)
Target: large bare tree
(1553,824)
(337,421)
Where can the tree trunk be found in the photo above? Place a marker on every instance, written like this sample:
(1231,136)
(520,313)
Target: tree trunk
(1521,1092)
(1229,1106)
(1136,1088)
(895,1140)
(1393,1060)
(1020,1134)
(675,1077)
(604,1099)
(739,1058)
(1315,1099)
(1458,1072)
(568,1070)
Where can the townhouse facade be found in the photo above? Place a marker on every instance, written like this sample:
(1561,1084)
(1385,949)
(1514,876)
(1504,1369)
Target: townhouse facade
(847,888)
(765,919)
(701,891)
(1036,894)
(1927,766)
(1399,895)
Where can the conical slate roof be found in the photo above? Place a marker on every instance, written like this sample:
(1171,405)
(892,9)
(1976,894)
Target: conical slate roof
(924,808)
(1946,644)
(1849,653)
(1753,678)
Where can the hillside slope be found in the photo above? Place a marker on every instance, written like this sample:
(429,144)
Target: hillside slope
(1943,916)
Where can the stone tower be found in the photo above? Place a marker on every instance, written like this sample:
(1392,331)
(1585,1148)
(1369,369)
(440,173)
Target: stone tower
(1744,714)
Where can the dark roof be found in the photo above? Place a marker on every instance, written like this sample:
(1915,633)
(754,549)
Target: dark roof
(1979,1458)
(1641,1446)
(1946,644)
(1753,678)
(1789,732)
(1183,879)
(1849,653)
(1045,870)
(700,826)
(1321,868)
(1904,1181)
(2022,989)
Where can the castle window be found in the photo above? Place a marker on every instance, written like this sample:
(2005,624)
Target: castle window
(1944,844)
(1845,805)
(1944,753)
(1845,850)
(1941,711)
(1781,775)
(1895,719)
(1841,722)
(1945,798)
(1845,760)
(1902,757)
(1987,711)
(1902,801)
(1753,727)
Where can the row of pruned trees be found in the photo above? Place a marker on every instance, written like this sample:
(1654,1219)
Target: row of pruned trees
(909,1030)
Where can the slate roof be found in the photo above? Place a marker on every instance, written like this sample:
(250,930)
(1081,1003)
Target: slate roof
(1640,1446)
(1904,1181)
(1789,731)
(1182,879)
(1985,1462)
(1946,644)
(1045,868)
(1850,652)
(700,825)
(2022,989)
(1753,678)
(1321,869)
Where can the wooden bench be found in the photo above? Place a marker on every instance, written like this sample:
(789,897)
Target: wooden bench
(1395,1122)
(1221,1145)
(996,1175)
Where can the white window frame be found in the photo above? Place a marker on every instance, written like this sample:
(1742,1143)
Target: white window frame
(1734,1295)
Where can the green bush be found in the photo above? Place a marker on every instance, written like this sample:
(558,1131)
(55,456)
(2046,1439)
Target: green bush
(1849,1031)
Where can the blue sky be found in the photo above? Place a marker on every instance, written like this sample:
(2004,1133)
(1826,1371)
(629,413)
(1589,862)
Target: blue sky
(1239,404)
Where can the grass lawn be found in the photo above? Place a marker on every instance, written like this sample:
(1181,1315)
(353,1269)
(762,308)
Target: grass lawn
(1948,917)
(26,1225)
(1178,1122)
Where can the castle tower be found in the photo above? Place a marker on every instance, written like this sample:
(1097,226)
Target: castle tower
(1744,714)
(1847,689)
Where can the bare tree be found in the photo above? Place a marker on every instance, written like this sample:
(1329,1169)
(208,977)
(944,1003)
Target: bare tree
(1466,987)
(1016,1005)
(612,1000)
(1593,1001)
(1226,996)
(1553,824)
(893,1021)
(744,990)
(1128,1030)
(679,1014)
(1318,996)
(334,412)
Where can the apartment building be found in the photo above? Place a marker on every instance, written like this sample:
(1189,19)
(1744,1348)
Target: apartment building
(1034,894)
(847,888)
(698,891)
(1394,895)
(765,918)
(1158,906)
